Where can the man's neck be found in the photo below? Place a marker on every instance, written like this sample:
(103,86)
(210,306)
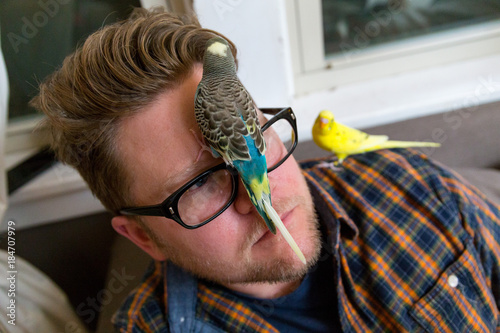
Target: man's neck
(265,290)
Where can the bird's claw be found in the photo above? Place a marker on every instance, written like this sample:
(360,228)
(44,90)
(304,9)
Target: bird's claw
(335,166)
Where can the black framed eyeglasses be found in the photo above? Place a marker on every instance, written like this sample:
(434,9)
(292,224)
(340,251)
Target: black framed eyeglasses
(209,194)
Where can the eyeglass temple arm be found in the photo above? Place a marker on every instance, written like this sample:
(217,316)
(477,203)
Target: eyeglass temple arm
(148,211)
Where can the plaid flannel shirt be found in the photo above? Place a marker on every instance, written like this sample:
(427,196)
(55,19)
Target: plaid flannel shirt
(415,249)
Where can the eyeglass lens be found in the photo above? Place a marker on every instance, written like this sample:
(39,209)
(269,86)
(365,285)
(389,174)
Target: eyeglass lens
(205,198)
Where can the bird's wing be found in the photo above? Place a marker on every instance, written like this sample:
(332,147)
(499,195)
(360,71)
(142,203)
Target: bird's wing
(353,140)
(220,123)
(245,107)
(373,141)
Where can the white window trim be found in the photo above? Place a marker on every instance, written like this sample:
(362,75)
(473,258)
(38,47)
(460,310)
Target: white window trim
(23,135)
(459,87)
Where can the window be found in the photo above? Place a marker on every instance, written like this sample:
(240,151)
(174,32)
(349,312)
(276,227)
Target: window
(36,36)
(351,25)
(343,41)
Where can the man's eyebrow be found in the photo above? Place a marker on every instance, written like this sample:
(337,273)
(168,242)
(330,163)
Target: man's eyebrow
(174,182)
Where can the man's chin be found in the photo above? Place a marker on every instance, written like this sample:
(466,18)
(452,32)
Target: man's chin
(279,271)
(281,267)
(284,267)
(287,268)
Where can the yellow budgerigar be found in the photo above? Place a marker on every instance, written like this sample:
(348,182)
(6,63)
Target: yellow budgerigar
(344,141)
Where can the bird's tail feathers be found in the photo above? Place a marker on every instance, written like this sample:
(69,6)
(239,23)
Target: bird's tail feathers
(273,215)
(265,215)
(405,144)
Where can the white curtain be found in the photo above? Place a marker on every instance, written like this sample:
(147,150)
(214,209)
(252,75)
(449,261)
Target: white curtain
(4,97)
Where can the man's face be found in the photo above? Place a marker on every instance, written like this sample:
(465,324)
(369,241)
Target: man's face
(161,149)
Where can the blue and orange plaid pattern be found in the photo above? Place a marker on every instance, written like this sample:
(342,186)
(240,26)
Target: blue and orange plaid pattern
(416,249)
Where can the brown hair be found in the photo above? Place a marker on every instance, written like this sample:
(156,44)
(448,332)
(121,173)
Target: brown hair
(119,70)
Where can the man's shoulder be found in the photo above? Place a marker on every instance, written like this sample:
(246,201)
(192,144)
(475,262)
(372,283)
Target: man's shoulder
(144,307)
(385,161)
(376,173)
(374,159)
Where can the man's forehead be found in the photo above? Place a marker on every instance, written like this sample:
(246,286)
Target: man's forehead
(158,143)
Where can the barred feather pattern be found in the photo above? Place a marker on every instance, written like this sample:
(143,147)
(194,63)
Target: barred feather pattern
(225,111)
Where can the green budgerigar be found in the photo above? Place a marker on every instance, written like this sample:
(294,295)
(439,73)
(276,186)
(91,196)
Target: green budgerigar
(227,118)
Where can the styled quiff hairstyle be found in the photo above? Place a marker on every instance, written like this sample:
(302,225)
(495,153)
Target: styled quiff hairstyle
(118,71)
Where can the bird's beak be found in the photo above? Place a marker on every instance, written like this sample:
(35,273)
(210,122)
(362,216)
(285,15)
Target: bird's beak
(323,123)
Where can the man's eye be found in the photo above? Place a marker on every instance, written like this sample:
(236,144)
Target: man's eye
(200,182)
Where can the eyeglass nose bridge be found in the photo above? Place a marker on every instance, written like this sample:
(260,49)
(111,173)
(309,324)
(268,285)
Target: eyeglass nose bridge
(232,170)
(235,186)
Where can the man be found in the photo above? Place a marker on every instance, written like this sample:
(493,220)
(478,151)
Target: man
(398,243)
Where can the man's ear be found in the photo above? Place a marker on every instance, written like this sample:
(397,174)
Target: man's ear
(129,228)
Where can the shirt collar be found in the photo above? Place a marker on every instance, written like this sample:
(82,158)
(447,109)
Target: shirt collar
(331,214)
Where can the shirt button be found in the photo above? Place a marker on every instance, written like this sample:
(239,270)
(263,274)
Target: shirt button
(453,281)
(182,319)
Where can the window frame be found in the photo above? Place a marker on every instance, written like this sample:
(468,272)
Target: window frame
(313,72)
